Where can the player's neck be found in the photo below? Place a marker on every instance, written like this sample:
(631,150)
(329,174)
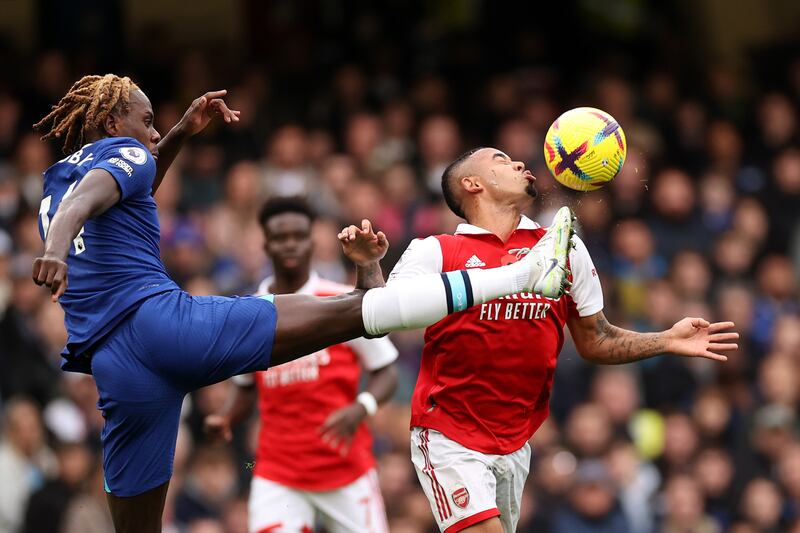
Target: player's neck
(289,282)
(500,220)
(91,136)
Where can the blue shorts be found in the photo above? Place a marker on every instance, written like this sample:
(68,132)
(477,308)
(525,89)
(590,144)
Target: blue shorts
(171,345)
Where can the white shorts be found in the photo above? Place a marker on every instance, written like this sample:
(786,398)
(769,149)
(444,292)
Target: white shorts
(354,508)
(465,487)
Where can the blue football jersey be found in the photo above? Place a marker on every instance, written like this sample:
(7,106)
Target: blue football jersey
(114,262)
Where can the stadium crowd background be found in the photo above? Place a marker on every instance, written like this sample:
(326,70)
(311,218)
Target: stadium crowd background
(359,108)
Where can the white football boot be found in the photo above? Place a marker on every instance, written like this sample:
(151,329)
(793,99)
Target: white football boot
(548,258)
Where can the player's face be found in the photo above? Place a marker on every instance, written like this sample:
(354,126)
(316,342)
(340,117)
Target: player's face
(288,242)
(502,177)
(138,123)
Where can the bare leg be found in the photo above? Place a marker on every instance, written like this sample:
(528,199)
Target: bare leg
(138,514)
(307,324)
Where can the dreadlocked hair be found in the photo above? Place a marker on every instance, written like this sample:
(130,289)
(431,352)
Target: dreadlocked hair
(85,107)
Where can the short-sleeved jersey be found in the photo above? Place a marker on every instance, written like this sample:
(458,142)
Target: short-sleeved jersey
(114,262)
(296,398)
(486,372)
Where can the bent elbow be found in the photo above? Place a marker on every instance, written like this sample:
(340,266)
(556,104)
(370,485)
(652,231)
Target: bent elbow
(591,353)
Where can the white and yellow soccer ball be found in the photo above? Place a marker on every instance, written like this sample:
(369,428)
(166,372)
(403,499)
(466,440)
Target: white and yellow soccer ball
(585,148)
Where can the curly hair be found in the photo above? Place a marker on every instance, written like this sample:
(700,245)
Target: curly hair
(85,107)
(284,204)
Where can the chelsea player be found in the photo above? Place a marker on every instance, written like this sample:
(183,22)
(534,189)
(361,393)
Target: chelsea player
(148,343)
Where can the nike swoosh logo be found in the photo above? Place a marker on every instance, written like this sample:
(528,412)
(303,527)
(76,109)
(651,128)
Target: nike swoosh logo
(553,264)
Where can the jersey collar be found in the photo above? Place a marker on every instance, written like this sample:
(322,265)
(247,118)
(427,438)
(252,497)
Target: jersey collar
(309,288)
(469,229)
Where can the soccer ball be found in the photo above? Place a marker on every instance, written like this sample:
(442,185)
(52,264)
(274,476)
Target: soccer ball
(585,148)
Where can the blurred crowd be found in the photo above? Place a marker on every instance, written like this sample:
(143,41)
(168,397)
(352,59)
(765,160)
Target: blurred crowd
(703,220)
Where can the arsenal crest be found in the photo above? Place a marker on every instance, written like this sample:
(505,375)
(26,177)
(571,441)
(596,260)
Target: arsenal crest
(461,496)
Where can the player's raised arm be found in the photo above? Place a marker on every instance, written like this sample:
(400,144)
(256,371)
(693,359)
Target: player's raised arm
(603,343)
(365,248)
(94,195)
(196,118)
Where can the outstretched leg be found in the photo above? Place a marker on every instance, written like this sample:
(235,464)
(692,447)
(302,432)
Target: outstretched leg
(306,324)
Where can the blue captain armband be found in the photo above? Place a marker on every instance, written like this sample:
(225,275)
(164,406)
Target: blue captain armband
(458,289)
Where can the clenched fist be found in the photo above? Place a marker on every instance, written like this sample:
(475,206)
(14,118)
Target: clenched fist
(51,272)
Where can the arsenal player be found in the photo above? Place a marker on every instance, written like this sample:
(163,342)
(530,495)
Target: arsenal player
(314,454)
(486,373)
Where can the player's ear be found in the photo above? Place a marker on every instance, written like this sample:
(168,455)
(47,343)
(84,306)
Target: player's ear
(111,124)
(471,184)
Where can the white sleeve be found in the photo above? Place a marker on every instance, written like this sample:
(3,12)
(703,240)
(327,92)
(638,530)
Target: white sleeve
(586,291)
(374,353)
(423,256)
(244,380)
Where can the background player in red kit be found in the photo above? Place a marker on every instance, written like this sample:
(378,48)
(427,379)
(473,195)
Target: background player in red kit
(485,378)
(314,449)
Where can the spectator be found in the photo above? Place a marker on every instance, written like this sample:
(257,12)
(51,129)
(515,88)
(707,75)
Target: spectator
(363,135)
(714,472)
(788,473)
(592,504)
(237,217)
(680,444)
(210,482)
(88,511)
(638,481)
(734,255)
(589,430)
(684,508)
(616,390)
(690,276)
(24,458)
(439,144)
(713,416)
(555,476)
(634,264)
(716,202)
(778,286)
(47,506)
(674,221)
(773,431)
(761,505)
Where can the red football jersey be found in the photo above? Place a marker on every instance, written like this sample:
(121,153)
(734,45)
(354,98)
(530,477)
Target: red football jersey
(296,398)
(486,372)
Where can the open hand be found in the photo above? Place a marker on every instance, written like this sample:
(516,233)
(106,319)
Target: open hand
(696,337)
(203,109)
(52,273)
(362,245)
(339,428)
